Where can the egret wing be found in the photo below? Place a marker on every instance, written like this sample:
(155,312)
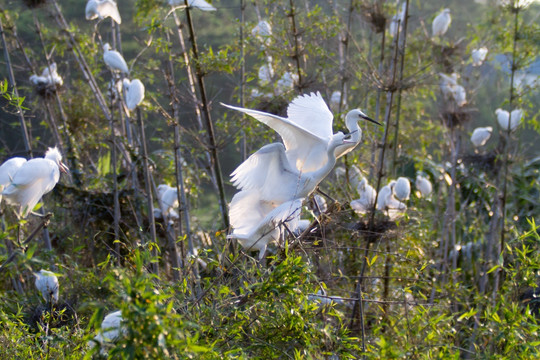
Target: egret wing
(201,5)
(310,112)
(108,8)
(8,170)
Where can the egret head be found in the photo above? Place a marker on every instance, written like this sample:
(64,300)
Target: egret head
(106,47)
(357,114)
(446,11)
(54,155)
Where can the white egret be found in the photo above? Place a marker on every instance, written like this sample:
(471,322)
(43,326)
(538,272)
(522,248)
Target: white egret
(386,201)
(169,198)
(307,130)
(423,185)
(319,205)
(114,60)
(481,135)
(49,77)
(367,198)
(35,178)
(197,4)
(479,55)
(47,284)
(263,32)
(335,98)
(134,93)
(102,9)
(266,73)
(402,189)
(286,83)
(452,90)
(111,330)
(441,23)
(8,170)
(459,95)
(506,119)
(354,175)
(269,172)
(256,223)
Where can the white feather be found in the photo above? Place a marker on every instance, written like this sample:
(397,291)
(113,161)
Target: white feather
(114,59)
(8,170)
(441,23)
(102,9)
(47,284)
(481,135)
(134,93)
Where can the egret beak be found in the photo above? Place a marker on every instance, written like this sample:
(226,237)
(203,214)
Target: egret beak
(370,119)
(63,168)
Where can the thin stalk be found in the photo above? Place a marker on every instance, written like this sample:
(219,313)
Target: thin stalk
(116,201)
(149,197)
(296,35)
(243,142)
(212,144)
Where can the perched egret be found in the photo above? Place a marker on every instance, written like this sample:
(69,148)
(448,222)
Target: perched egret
(169,198)
(441,23)
(481,135)
(134,93)
(402,189)
(335,98)
(34,179)
(286,83)
(256,223)
(388,203)
(8,170)
(307,130)
(459,95)
(452,90)
(111,330)
(396,22)
(269,172)
(423,185)
(47,284)
(506,119)
(102,9)
(48,78)
(367,198)
(197,4)
(114,60)
(479,55)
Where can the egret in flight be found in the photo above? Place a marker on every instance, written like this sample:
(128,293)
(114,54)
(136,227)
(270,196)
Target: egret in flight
(481,135)
(8,170)
(307,130)
(441,23)
(114,60)
(102,9)
(34,179)
(47,284)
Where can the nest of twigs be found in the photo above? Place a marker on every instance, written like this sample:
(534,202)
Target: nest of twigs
(454,116)
(34,3)
(374,15)
(46,90)
(444,54)
(55,316)
(275,105)
(381,228)
(484,162)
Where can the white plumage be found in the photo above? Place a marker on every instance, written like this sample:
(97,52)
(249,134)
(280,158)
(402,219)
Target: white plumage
(354,175)
(102,9)
(479,55)
(388,203)
(452,90)
(367,198)
(114,60)
(335,98)
(34,179)
(111,329)
(198,4)
(441,23)
(481,135)
(402,189)
(134,93)
(307,130)
(266,73)
(169,199)
(263,32)
(257,223)
(319,205)
(8,170)
(506,119)
(49,77)
(286,83)
(47,284)
(423,185)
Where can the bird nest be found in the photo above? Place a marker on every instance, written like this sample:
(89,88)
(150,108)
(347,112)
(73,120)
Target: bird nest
(275,105)
(454,116)
(382,228)
(46,90)
(374,15)
(484,162)
(54,316)
(444,54)
(34,3)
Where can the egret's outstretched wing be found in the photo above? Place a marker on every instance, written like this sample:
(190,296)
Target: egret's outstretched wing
(8,170)
(265,166)
(310,112)
(246,210)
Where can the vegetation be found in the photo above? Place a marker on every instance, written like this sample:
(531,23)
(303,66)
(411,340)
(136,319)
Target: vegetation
(455,276)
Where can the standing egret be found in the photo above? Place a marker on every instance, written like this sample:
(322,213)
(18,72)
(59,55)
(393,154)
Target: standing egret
(8,170)
(335,98)
(441,23)
(102,9)
(114,60)
(169,198)
(34,179)
(134,93)
(367,198)
(423,185)
(256,223)
(509,120)
(386,201)
(47,284)
(459,95)
(481,135)
(447,83)
(198,4)
(479,55)
(269,172)
(48,80)
(307,130)
(402,189)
